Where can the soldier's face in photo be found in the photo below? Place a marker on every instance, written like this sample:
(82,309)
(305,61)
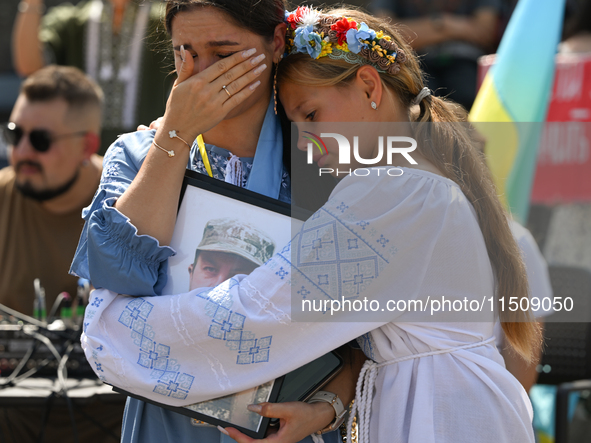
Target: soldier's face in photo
(214,267)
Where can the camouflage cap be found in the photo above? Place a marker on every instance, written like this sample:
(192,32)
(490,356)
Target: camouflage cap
(236,237)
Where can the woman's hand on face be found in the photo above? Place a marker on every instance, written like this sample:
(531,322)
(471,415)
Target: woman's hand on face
(297,420)
(199,101)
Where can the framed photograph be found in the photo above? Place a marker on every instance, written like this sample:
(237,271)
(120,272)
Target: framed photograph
(222,226)
(229,410)
(222,230)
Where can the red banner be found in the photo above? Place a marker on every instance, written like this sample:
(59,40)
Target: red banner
(563,172)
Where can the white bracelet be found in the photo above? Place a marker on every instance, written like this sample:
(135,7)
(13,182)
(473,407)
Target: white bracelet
(24,7)
(336,403)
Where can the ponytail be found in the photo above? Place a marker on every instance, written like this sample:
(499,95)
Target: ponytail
(458,158)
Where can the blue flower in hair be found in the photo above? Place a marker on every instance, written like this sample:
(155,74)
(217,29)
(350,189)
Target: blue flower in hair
(354,37)
(308,41)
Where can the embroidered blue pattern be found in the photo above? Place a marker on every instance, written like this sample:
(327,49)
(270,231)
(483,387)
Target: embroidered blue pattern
(330,255)
(218,164)
(166,371)
(254,351)
(99,367)
(362,224)
(281,273)
(383,240)
(304,292)
(228,325)
(342,207)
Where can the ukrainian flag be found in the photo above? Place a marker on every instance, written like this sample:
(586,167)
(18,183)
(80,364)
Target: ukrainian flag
(517,89)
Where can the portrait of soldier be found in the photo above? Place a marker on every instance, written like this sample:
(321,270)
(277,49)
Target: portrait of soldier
(228,247)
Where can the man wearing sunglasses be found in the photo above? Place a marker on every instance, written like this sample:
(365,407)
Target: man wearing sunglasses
(54,171)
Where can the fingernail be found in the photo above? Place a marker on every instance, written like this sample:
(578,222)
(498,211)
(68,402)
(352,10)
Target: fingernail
(255,85)
(260,69)
(248,53)
(222,430)
(182,52)
(255,408)
(258,59)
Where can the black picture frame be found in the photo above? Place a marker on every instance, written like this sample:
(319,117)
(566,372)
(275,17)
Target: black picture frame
(204,200)
(259,433)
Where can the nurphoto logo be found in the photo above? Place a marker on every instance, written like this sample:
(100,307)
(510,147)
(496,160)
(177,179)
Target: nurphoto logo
(316,143)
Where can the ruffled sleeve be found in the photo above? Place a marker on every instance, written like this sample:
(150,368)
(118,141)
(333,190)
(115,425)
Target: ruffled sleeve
(110,253)
(375,240)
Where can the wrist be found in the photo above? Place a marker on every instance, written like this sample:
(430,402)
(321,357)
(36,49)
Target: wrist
(166,125)
(174,138)
(325,413)
(339,412)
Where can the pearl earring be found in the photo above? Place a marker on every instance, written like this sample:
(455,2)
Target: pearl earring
(275,84)
(374,105)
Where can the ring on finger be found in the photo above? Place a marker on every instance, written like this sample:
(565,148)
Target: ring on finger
(225,88)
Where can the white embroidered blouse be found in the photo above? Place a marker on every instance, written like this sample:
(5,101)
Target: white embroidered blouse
(385,239)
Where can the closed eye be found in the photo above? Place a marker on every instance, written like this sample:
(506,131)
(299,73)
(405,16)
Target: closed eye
(311,115)
(226,55)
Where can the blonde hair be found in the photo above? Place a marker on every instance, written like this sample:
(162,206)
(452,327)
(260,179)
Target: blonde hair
(451,148)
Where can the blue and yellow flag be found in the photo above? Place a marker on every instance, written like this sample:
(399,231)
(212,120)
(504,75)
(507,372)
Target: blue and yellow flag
(517,89)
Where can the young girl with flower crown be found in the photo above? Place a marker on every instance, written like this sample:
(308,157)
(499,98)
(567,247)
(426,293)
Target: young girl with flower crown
(438,229)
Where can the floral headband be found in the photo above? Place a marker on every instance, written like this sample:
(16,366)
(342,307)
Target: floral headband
(320,35)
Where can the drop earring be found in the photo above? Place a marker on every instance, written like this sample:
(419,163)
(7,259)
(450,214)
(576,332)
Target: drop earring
(275,84)
(374,105)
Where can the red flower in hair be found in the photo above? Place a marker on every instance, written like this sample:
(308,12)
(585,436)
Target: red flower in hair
(294,18)
(342,26)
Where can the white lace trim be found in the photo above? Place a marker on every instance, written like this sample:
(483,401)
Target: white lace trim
(234,172)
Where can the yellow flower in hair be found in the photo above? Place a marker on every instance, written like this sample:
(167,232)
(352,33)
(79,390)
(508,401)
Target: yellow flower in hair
(380,35)
(344,47)
(326,49)
(391,58)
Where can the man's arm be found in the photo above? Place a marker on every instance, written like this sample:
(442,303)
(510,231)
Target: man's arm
(27,50)
(478,29)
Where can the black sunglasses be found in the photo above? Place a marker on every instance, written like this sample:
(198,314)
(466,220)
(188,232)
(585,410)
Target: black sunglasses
(41,139)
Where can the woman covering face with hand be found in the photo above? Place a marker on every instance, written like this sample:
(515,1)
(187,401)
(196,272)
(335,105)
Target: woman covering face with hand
(220,121)
(438,229)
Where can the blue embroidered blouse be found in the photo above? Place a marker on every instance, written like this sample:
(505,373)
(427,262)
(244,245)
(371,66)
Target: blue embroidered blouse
(111,255)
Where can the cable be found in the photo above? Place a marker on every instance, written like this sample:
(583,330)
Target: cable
(56,304)
(47,342)
(13,375)
(33,321)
